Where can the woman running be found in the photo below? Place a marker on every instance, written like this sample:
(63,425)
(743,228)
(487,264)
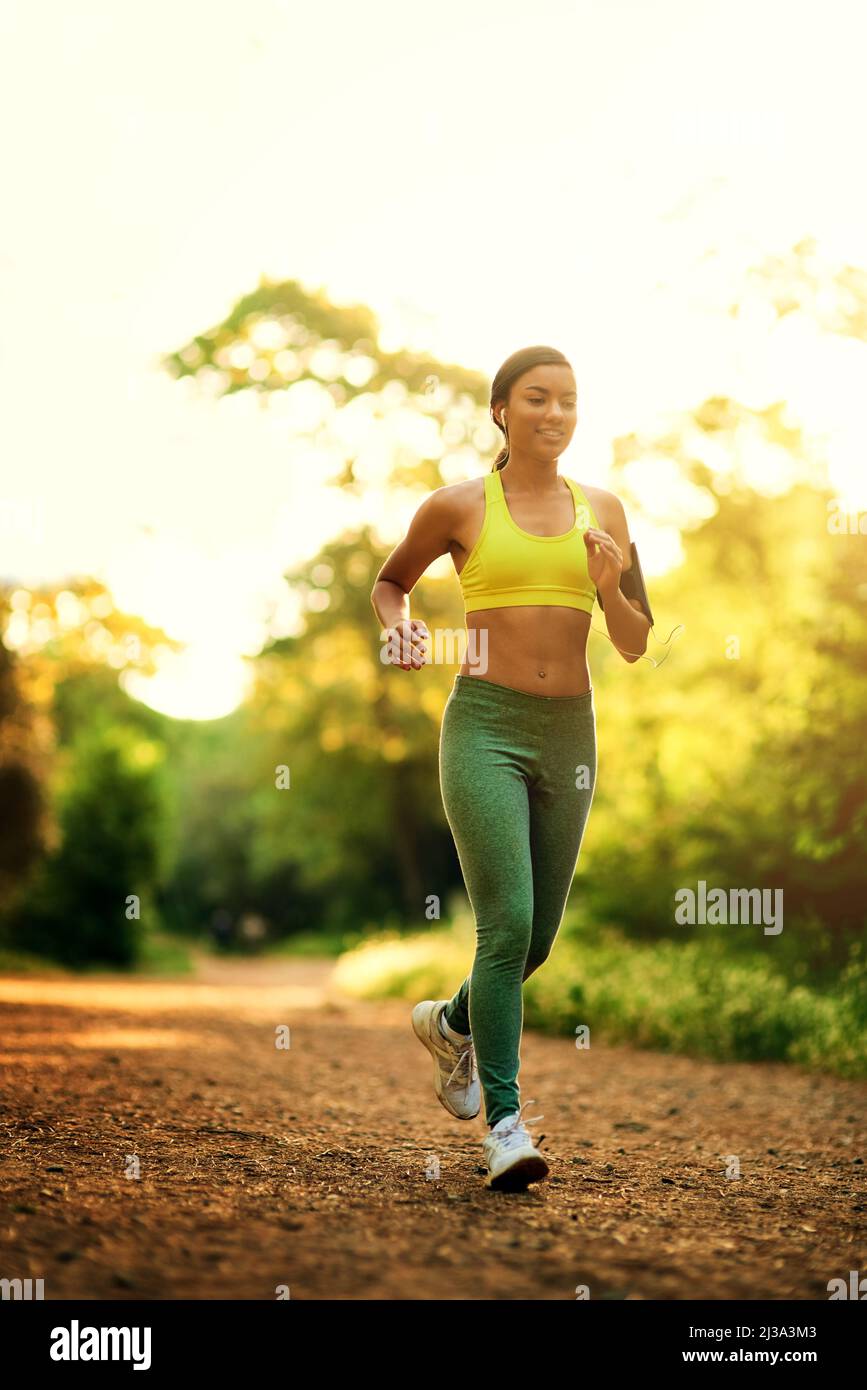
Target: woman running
(517,754)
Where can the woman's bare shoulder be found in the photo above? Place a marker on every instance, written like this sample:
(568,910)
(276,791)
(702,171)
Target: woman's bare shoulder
(470,489)
(606,505)
(453,499)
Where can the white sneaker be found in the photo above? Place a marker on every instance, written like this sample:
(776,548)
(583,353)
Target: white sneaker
(456,1080)
(513,1160)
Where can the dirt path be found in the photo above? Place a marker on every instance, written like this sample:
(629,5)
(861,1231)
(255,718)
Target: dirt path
(310,1166)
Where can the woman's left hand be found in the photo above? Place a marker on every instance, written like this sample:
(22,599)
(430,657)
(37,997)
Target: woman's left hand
(604,560)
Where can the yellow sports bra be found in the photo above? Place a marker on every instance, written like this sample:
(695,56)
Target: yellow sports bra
(509,567)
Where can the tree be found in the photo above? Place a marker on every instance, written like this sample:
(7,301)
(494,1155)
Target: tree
(92,898)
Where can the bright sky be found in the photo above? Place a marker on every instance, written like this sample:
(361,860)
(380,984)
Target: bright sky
(596,176)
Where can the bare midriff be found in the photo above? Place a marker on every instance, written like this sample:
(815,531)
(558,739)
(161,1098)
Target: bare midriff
(541,650)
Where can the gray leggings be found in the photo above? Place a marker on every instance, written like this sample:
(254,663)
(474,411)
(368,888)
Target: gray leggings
(517,775)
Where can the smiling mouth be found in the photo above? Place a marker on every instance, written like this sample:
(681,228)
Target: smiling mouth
(552,434)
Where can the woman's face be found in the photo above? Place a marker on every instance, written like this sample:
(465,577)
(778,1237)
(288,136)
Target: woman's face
(542,411)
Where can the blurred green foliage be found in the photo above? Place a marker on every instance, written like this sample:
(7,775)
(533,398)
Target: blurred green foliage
(689,997)
(92,898)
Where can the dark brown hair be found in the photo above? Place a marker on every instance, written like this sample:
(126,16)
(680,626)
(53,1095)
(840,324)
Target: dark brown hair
(512,368)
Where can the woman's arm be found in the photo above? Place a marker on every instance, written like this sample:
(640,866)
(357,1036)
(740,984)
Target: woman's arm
(627,622)
(429,536)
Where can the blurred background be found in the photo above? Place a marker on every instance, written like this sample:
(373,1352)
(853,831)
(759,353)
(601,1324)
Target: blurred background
(258,267)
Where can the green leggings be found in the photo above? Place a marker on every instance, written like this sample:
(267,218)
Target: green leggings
(517,775)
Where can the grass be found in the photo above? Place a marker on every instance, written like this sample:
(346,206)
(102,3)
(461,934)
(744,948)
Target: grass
(314,943)
(675,996)
(13,962)
(160,955)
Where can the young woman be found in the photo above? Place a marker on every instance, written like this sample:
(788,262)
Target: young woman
(517,753)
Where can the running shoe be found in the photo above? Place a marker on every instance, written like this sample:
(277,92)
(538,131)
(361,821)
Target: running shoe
(512,1158)
(456,1079)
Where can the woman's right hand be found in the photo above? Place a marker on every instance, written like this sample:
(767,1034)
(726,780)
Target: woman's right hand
(405,644)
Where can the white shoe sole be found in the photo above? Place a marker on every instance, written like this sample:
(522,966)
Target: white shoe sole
(526,1167)
(424,1021)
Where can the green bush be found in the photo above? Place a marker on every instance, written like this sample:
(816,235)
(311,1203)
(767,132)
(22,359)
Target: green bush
(684,997)
(74,908)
